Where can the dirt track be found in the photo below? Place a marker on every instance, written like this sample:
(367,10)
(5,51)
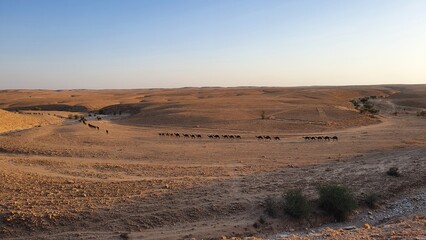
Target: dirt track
(70,181)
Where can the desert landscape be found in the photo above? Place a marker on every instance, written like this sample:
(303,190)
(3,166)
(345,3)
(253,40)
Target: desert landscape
(199,163)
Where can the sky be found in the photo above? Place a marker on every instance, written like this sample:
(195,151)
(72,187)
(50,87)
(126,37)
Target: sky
(106,44)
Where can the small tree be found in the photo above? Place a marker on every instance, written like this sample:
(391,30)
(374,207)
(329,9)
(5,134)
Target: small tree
(371,200)
(271,207)
(336,200)
(295,204)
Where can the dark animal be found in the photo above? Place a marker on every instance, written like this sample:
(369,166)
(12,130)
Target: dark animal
(210,136)
(238,137)
(327,138)
(216,136)
(335,138)
(313,138)
(267,137)
(225,136)
(97,128)
(259,137)
(177,135)
(186,135)
(319,138)
(307,138)
(107,132)
(198,136)
(277,138)
(192,136)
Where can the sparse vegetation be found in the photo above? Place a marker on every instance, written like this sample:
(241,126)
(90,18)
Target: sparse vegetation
(296,204)
(364,105)
(371,200)
(271,207)
(421,113)
(262,220)
(337,200)
(393,171)
(355,103)
(263,115)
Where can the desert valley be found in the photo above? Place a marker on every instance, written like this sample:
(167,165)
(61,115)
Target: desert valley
(199,163)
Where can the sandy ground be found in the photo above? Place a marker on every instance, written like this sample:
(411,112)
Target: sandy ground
(19,121)
(69,181)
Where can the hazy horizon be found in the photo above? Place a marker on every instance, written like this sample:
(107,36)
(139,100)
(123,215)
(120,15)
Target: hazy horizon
(171,44)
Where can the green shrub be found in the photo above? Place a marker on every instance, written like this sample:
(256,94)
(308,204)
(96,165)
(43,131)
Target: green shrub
(295,204)
(271,207)
(371,200)
(336,200)
(393,171)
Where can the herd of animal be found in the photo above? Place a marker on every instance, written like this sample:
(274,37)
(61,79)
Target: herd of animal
(320,138)
(216,136)
(267,138)
(84,121)
(270,138)
(213,136)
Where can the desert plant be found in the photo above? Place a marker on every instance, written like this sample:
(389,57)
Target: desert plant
(262,220)
(364,100)
(296,204)
(421,113)
(355,103)
(271,207)
(393,171)
(337,200)
(371,200)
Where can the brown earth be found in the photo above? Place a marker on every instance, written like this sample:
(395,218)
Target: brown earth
(68,181)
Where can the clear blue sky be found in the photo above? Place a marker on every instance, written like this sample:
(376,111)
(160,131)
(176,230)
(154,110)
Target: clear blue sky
(61,44)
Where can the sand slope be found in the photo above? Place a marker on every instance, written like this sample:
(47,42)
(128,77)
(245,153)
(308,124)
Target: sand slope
(14,121)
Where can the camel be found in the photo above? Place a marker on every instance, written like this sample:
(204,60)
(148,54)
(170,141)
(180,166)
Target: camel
(277,138)
(335,138)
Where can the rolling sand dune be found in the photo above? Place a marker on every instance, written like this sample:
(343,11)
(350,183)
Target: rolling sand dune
(70,181)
